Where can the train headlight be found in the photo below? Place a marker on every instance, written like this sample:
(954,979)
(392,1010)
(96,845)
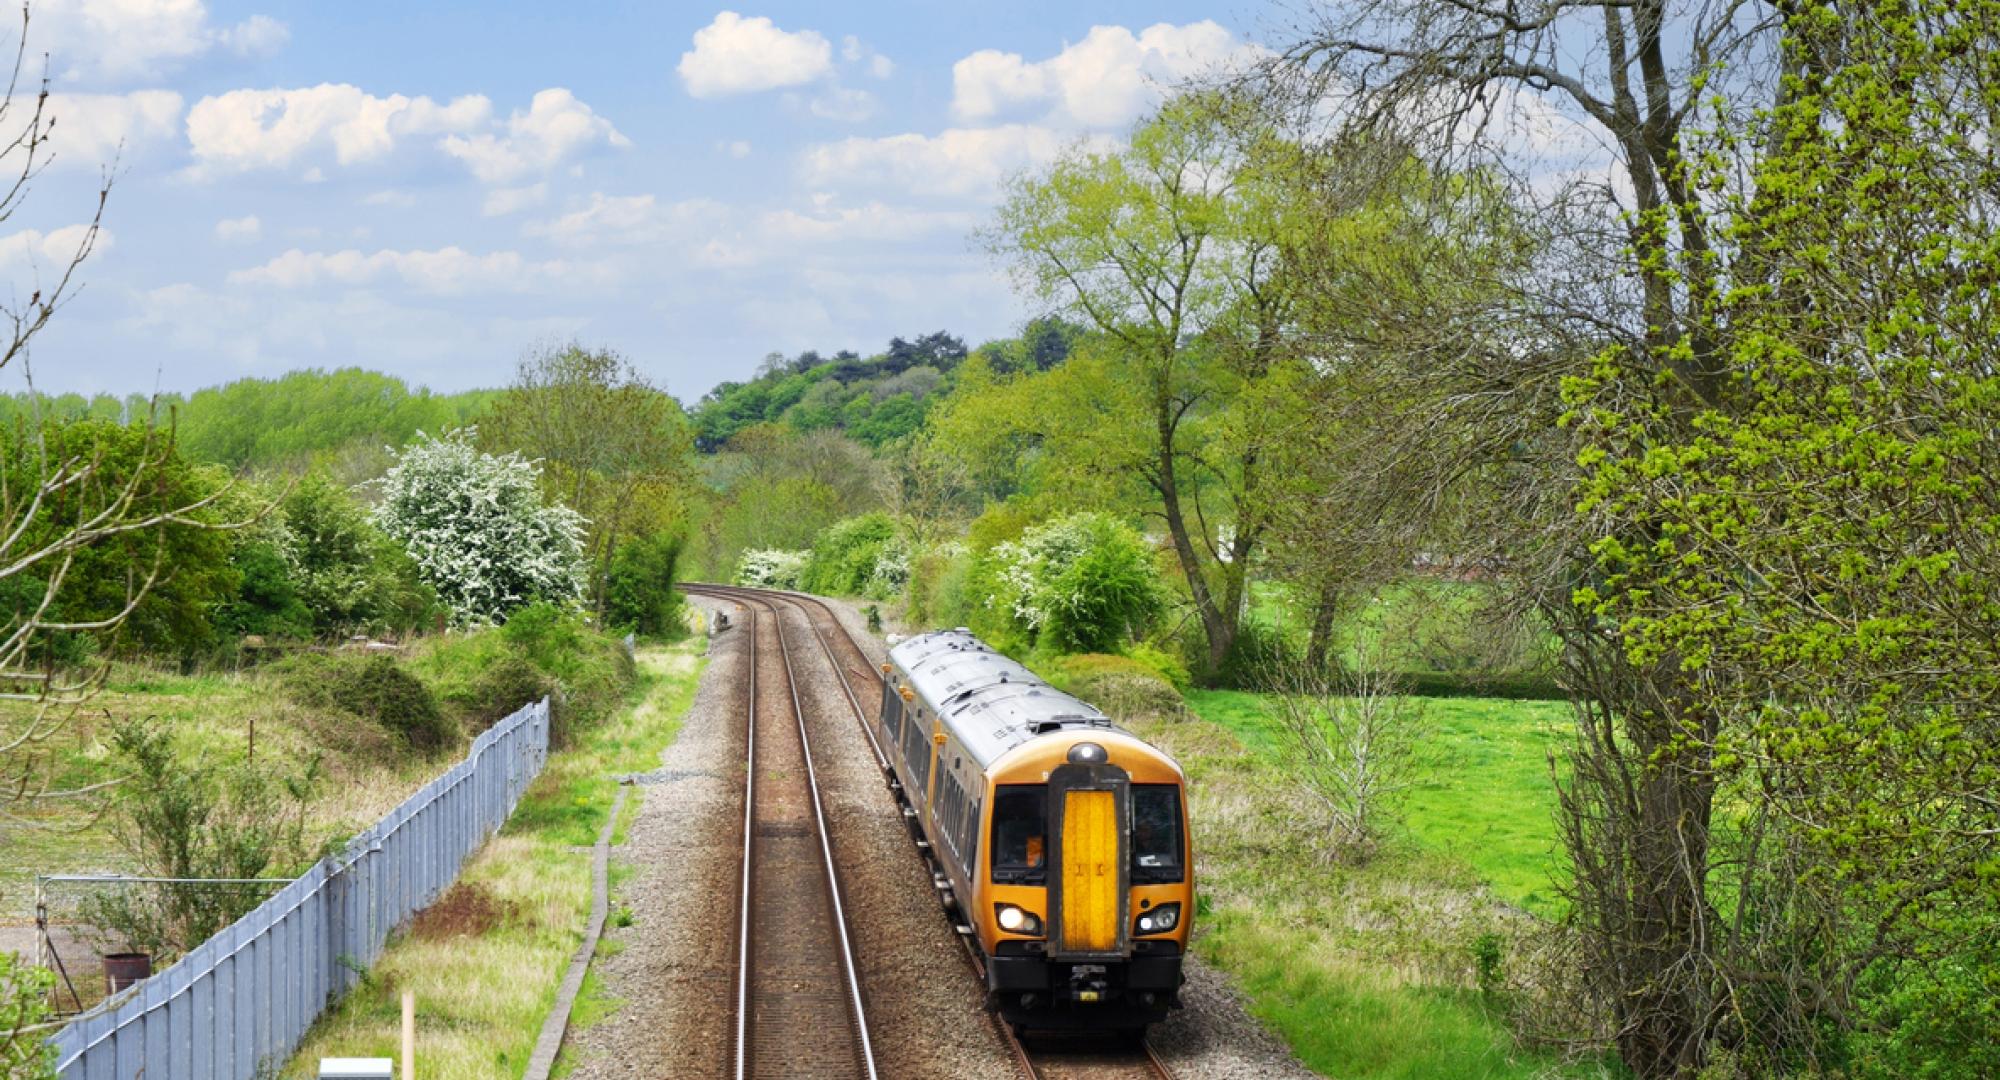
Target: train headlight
(1016,920)
(1160,920)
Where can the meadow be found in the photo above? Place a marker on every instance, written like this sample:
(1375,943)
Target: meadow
(1390,968)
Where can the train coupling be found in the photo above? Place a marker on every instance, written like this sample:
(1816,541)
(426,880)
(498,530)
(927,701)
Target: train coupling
(1087,984)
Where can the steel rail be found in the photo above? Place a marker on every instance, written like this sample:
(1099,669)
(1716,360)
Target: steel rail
(752,602)
(1152,1063)
(743,910)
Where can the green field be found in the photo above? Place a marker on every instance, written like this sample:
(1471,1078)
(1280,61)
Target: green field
(1369,971)
(1486,796)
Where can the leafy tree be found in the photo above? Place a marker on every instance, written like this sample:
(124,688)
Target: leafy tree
(611,445)
(478,529)
(1169,250)
(639,590)
(297,416)
(858,556)
(347,573)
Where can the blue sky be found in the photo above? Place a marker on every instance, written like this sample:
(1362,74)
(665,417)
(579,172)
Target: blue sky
(431,189)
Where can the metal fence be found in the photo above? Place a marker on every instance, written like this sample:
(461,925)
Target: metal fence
(242,1000)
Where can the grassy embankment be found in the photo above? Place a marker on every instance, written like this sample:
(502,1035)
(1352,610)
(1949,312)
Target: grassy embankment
(485,960)
(212,718)
(1370,971)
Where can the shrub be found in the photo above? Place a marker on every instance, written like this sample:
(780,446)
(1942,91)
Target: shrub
(375,688)
(347,572)
(478,530)
(482,676)
(639,591)
(1120,685)
(501,688)
(24,1003)
(771,568)
(1083,583)
(192,819)
(849,557)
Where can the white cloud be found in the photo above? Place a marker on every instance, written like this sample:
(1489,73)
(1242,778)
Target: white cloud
(37,253)
(735,55)
(556,128)
(875,221)
(124,40)
(272,129)
(612,220)
(1107,80)
(956,161)
(233,230)
(450,270)
(276,129)
(92,129)
(854,51)
(503,201)
(390,197)
(736,148)
(843,104)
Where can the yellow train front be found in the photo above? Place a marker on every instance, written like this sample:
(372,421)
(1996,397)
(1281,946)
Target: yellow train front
(1059,841)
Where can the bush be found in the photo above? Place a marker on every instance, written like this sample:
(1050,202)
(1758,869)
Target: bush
(24,1002)
(347,572)
(374,688)
(481,676)
(1120,685)
(478,530)
(191,819)
(771,568)
(1083,583)
(639,591)
(1255,659)
(501,688)
(857,556)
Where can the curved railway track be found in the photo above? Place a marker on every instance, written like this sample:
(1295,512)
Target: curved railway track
(858,677)
(795,960)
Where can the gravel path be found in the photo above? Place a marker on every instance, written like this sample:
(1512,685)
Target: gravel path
(674,967)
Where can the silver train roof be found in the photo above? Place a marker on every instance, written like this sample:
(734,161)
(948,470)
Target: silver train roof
(992,703)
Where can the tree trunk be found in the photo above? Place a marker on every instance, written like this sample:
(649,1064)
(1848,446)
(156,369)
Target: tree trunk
(1319,643)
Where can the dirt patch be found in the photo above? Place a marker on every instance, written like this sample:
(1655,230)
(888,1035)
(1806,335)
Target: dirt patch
(467,909)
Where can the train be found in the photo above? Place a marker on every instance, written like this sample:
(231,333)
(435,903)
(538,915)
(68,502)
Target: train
(1057,840)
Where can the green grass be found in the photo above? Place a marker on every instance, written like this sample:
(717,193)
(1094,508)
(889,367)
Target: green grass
(481,998)
(1486,797)
(1347,1019)
(1367,971)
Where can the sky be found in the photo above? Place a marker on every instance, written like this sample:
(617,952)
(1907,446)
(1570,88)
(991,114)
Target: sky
(432,189)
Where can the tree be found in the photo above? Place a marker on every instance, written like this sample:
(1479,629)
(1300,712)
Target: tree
(611,445)
(349,575)
(478,529)
(639,590)
(1352,743)
(1760,344)
(1168,249)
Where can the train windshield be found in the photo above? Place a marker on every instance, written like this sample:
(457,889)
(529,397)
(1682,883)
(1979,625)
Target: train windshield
(1156,833)
(1020,834)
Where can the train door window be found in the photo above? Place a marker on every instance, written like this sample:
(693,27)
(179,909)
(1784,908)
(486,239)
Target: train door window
(1156,834)
(892,710)
(917,750)
(1020,834)
(970,845)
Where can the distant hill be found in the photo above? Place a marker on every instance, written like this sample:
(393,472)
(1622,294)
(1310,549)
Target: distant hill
(875,400)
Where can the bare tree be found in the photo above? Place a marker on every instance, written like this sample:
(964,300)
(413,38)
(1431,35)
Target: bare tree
(1352,743)
(56,505)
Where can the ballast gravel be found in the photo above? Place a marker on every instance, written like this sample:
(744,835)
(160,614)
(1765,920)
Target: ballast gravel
(672,971)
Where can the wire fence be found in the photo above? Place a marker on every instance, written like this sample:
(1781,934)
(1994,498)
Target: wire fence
(241,1001)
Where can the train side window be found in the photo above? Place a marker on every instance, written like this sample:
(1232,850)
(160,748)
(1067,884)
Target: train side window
(971,841)
(1020,834)
(1156,834)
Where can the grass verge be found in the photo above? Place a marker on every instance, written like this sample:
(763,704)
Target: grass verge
(1369,971)
(484,982)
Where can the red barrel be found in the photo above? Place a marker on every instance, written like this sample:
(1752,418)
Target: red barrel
(124,969)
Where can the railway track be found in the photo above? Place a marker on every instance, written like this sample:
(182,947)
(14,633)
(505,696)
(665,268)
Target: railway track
(860,680)
(796,967)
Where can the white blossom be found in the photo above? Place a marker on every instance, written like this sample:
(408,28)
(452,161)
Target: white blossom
(478,530)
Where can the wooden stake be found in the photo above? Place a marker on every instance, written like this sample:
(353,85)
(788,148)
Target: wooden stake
(409,1035)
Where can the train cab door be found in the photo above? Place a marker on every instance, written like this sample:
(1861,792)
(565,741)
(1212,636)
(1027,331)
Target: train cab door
(1090,810)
